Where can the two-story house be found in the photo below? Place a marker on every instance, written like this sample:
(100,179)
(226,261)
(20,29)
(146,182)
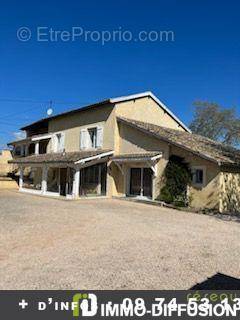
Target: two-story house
(120,147)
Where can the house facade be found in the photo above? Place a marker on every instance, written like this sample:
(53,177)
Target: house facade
(120,147)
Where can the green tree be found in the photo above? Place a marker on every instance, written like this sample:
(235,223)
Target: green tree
(217,123)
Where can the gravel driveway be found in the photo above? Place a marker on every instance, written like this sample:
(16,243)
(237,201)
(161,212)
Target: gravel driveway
(110,244)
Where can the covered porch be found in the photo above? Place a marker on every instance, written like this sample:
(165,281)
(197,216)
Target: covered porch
(138,173)
(71,175)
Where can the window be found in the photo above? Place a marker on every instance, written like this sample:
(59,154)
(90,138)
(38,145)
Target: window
(17,151)
(59,142)
(198,175)
(93,137)
(32,178)
(53,180)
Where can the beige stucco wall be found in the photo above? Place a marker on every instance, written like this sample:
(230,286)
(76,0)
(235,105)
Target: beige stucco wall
(132,140)
(147,110)
(5,168)
(135,141)
(230,192)
(208,195)
(72,124)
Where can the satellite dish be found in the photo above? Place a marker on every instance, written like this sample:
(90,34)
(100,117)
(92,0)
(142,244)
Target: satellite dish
(49,111)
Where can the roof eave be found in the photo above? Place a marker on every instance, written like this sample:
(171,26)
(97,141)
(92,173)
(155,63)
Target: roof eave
(65,113)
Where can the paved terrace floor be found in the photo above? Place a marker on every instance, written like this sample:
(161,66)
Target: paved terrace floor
(110,244)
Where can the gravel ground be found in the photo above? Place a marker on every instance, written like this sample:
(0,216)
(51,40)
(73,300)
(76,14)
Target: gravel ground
(110,244)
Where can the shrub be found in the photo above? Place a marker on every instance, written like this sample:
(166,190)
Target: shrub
(177,178)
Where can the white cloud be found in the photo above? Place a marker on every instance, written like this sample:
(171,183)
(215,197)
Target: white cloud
(19,135)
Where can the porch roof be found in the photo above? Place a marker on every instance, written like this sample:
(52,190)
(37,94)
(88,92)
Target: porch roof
(64,157)
(146,156)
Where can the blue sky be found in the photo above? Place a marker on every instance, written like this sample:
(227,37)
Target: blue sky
(202,63)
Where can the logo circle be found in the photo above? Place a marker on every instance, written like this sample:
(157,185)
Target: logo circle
(24,34)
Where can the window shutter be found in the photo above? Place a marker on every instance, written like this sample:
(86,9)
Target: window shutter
(83,139)
(99,137)
(54,143)
(62,139)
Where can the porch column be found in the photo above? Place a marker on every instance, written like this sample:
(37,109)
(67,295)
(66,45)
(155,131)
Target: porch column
(76,183)
(21,179)
(44,180)
(99,180)
(37,147)
(26,150)
(22,150)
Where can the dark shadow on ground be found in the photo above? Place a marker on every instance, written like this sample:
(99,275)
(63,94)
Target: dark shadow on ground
(218,282)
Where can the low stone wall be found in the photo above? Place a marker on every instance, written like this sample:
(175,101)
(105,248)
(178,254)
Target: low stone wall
(5,167)
(230,192)
(8,183)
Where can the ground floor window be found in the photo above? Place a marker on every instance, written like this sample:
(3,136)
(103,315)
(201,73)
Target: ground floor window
(70,178)
(53,180)
(93,180)
(198,175)
(141,182)
(32,178)
(60,180)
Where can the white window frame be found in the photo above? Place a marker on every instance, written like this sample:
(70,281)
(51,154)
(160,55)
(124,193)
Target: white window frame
(203,168)
(88,144)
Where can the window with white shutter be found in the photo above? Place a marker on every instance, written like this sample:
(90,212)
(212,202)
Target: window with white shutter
(91,138)
(99,139)
(84,139)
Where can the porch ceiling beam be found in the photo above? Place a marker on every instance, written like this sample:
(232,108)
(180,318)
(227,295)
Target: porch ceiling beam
(143,159)
(42,137)
(98,156)
(156,157)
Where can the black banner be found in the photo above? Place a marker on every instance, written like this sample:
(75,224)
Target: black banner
(119,304)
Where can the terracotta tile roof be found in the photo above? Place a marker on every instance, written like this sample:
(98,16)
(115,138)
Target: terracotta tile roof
(199,145)
(67,157)
(129,156)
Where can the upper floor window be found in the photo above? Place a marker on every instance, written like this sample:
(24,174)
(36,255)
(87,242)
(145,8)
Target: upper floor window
(91,138)
(198,176)
(59,142)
